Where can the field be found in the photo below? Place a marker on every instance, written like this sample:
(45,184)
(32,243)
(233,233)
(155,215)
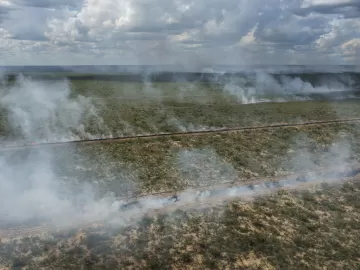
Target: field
(311,229)
(130,108)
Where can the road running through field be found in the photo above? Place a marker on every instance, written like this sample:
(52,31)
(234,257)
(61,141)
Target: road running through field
(132,210)
(9,147)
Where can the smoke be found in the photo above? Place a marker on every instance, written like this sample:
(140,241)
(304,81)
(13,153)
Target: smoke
(305,155)
(267,87)
(214,179)
(31,190)
(247,87)
(33,193)
(44,111)
(168,96)
(216,176)
(201,167)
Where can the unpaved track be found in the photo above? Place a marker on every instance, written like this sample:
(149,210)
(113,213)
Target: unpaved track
(23,230)
(179,134)
(323,176)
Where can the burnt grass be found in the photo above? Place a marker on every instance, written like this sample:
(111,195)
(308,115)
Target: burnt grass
(311,229)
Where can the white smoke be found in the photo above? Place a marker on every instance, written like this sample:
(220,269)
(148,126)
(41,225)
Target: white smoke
(199,167)
(43,111)
(303,154)
(30,189)
(263,87)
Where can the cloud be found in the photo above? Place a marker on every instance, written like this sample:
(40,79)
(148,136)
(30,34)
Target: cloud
(351,50)
(346,8)
(5,8)
(291,31)
(190,32)
(30,29)
(48,3)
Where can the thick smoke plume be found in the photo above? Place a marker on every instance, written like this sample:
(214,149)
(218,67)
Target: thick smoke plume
(265,87)
(43,111)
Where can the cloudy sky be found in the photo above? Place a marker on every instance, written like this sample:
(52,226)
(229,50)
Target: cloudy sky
(187,32)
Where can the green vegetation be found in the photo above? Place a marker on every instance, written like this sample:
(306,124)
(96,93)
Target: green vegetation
(138,108)
(144,166)
(155,165)
(130,108)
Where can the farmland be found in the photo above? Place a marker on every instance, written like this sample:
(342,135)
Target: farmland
(286,229)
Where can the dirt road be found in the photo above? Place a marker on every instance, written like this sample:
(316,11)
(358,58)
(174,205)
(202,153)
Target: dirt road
(18,146)
(134,209)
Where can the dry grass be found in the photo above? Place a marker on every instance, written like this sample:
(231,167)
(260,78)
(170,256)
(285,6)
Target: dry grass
(136,108)
(311,230)
(167,106)
(156,165)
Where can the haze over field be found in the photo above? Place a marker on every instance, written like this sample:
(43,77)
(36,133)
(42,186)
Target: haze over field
(48,111)
(200,105)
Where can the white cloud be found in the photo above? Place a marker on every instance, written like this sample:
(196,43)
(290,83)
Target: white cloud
(194,32)
(340,38)
(345,8)
(310,3)
(351,50)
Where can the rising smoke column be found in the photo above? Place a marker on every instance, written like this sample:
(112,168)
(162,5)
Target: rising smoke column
(43,111)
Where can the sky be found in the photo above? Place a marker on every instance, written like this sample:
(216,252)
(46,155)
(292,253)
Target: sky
(192,33)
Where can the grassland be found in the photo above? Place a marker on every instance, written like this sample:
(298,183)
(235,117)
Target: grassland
(201,104)
(311,229)
(139,108)
(145,166)
(308,230)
